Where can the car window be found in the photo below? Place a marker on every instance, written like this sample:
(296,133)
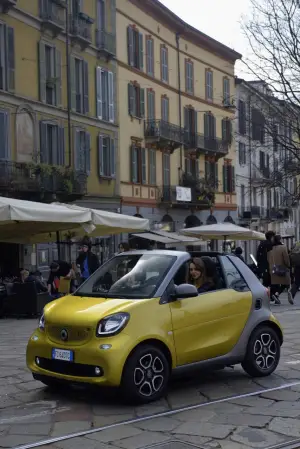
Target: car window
(232,276)
(132,276)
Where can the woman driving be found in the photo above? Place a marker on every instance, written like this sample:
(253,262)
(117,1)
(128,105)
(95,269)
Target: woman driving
(200,277)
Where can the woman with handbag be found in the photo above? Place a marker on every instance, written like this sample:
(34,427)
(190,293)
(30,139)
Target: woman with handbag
(279,265)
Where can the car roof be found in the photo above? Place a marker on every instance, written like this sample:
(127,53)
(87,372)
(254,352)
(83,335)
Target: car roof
(164,252)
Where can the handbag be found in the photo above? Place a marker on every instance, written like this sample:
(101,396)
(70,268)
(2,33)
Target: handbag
(278,270)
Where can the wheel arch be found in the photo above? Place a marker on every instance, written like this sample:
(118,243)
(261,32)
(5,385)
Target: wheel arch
(158,344)
(273,326)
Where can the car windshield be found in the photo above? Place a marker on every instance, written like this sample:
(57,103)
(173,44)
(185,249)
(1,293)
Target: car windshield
(130,276)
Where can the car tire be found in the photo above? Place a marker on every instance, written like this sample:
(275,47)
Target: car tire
(146,375)
(263,352)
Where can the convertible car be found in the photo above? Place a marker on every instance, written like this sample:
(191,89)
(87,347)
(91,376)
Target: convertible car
(136,320)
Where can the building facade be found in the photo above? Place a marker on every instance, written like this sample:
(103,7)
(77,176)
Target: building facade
(58,102)
(262,185)
(175,90)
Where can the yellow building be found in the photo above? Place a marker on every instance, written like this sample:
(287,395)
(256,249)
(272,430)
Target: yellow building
(58,117)
(176,109)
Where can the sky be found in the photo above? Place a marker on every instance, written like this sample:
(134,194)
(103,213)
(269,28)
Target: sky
(219,19)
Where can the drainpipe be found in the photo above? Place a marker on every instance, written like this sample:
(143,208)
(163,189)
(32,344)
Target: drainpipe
(68,84)
(179,92)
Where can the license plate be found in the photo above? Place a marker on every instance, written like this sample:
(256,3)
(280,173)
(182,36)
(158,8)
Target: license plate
(63,354)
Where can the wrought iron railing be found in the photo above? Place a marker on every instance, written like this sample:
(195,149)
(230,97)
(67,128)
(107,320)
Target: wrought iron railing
(81,26)
(106,42)
(164,130)
(53,11)
(201,142)
(168,194)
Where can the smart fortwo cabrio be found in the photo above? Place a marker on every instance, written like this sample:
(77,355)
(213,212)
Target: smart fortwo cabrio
(136,320)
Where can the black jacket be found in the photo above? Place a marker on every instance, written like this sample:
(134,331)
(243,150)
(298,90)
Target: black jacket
(93,262)
(262,255)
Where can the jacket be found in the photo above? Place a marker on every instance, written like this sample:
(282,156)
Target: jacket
(262,255)
(279,256)
(92,260)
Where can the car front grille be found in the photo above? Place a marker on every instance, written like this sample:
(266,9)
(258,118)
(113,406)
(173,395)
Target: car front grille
(68,368)
(77,335)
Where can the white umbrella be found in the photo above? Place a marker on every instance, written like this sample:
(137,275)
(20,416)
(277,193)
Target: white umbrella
(223,231)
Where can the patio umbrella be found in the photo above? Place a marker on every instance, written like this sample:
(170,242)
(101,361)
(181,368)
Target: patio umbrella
(223,231)
(33,222)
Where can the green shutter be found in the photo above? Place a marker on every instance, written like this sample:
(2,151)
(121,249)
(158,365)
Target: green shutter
(61,146)
(232,179)
(225,179)
(142,103)
(100,156)
(144,167)
(87,153)
(130,99)
(10,52)
(134,167)
(42,71)
(73,83)
(141,52)
(85,86)
(44,150)
(58,77)
(130,46)
(112,154)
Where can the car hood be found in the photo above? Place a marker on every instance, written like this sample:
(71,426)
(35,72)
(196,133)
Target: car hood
(81,310)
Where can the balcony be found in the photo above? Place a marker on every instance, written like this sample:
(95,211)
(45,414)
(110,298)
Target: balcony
(52,13)
(195,197)
(163,134)
(106,43)
(6,5)
(41,182)
(261,176)
(205,145)
(248,213)
(81,29)
(280,214)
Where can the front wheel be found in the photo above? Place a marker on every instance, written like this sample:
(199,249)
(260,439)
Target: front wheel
(263,352)
(146,375)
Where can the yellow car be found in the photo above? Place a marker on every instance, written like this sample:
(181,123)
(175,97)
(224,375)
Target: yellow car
(136,320)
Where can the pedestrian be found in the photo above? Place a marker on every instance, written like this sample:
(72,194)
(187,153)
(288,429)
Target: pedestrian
(88,261)
(239,253)
(279,268)
(123,247)
(262,258)
(295,263)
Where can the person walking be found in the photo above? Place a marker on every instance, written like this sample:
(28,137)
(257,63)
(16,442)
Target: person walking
(295,263)
(88,261)
(279,268)
(262,258)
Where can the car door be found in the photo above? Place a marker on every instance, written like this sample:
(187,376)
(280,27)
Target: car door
(210,325)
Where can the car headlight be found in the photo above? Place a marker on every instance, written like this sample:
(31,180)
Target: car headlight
(42,322)
(112,324)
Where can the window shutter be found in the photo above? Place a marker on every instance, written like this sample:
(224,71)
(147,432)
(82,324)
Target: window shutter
(224,129)
(42,71)
(207,170)
(154,167)
(188,166)
(111,103)
(87,153)
(4,152)
(130,46)
(61,146)
(197,169)
(141,52)
(130,99)
(134,165)
(44,150)
(99,92)
(112,149)
(225,178)
(232,179)
(206,126)
(58,77)
(77,158)
(196,122)
(53,150)
(144,169)
(10,52)
(216,175)
(142,103)
(100,156)
(73,83)
(85,87)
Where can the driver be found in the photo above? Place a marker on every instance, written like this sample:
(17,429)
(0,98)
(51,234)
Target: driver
(202,274)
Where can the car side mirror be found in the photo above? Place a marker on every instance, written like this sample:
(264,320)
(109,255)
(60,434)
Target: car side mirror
(184,291)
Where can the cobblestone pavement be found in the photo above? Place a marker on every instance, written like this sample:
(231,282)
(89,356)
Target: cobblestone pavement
(31,413)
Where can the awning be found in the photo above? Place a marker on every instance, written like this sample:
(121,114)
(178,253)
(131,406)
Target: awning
(155,238)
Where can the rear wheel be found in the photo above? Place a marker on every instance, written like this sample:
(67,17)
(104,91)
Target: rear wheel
(146,375)
(263,352)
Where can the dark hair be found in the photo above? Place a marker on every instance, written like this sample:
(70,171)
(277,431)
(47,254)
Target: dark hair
(125,246)
(238,250)
(86,241)
(54,266)
(277,239)
(269,235)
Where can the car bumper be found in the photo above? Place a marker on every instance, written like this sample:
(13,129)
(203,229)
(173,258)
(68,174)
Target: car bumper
(109,360)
